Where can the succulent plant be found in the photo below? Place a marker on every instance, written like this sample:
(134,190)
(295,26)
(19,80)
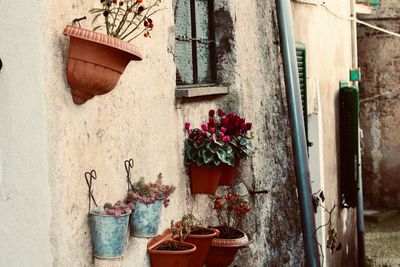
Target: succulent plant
(148,193)
(116,210)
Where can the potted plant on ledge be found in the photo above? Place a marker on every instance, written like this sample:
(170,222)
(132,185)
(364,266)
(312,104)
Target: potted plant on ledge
(230,210)
(148,199)
(206,148)
(95,60)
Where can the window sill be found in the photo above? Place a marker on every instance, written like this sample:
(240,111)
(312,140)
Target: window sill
(195,91)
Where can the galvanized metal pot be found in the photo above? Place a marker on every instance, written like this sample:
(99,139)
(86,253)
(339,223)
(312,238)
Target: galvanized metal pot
(146,218)
(109,235)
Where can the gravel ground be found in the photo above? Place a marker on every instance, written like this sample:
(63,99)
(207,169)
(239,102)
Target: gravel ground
(382,242)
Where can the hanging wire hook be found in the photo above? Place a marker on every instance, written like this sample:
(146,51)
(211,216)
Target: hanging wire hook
(89,176)
(77,20)
(128,166)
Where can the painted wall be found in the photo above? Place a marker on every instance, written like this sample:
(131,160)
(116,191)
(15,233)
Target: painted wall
(25,194)
(47,142)
(327,37)
(379,57)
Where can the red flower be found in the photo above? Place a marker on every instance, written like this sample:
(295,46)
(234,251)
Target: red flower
(211,113)
(187,126)
(139,1)
(212,130)
(248,126)
(211,122)
(223,129)
(220,112)
(226,139)
(204,127)
(140,9)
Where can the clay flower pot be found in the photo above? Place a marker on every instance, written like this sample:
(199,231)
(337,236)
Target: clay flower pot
(95,62)
(204,180)
(169,258)
(228,174)
(223,251)
(202,240)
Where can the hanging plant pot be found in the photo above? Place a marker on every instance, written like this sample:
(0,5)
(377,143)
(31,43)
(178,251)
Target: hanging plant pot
(229,173)
(164,252)
(109,235)
(204,180)
(145,219)
(95,62)
(223,251)
(202,239)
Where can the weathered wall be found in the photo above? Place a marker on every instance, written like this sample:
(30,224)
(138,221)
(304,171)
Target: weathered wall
(327,38)
(49,142)
(25,200)
(379,57)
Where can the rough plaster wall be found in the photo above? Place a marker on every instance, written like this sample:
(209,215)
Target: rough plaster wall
(24,189)
(379,57)
(328,42)
(140,119)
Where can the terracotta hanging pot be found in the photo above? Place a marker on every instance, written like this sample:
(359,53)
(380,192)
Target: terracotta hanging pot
(204,180)
(229,173)
(160,256)
(95,62)
(202,239)
(222,251)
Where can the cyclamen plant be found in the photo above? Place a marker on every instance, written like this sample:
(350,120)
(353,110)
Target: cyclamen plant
(222,138)
(126,19)
(117,209)
(231,209)
(148,193)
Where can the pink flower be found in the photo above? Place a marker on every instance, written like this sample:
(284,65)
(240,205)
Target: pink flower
(223,129)
(226,139)
(204,127)
(211,113)
(220,112)
(187,126)
(221,134)
(212,130)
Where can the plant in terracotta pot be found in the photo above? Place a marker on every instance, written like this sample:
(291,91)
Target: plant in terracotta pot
(148,199)
(96,60)
(169,249)
(238,129)
(230,210)
(206,148)
(194,232)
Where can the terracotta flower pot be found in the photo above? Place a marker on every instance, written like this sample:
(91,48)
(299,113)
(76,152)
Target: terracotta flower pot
(228,173)
(223,251)
(169,258)
(202,243)
(95,62)
(204,180)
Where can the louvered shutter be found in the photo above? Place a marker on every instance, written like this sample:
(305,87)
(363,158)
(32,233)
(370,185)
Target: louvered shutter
(349,112)
(301,65)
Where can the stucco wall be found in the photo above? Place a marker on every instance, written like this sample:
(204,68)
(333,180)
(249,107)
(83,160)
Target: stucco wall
(25,198)
(48,142)
(379,56)
(327,38)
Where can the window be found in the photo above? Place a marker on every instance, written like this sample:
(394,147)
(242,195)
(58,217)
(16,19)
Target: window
(195,46)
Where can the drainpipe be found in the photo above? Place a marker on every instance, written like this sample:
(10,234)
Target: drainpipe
(298,132)
(360,204)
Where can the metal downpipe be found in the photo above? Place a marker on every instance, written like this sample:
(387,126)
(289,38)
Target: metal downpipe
(298,132)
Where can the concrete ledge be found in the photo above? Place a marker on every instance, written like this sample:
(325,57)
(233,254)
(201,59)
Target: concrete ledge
(208,90)
(379,215)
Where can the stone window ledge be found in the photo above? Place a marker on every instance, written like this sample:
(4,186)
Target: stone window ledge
(200,90)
